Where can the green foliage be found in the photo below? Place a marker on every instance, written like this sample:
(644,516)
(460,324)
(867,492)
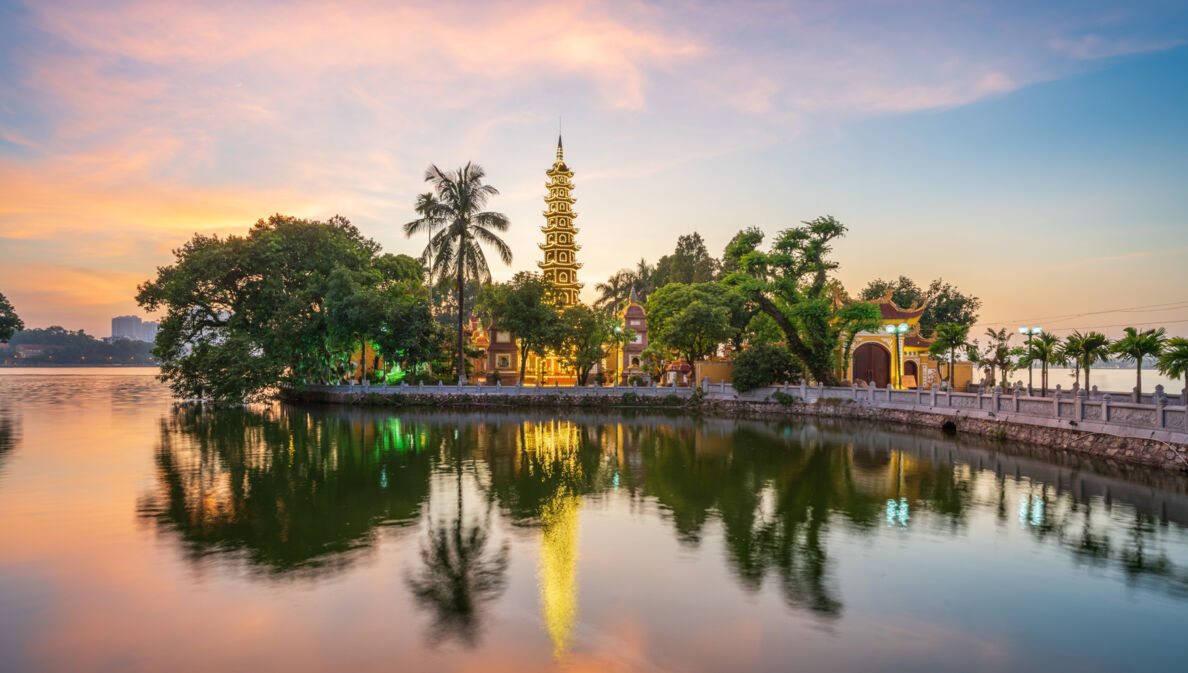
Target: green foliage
(1046,349)
(1173,361)
(945,303)
(949,338)
(453,217)
(998,355)
(783,398)
(527,307)
(689,263)
(581,337)
(791,285)
(692,320)
(243,314)
(1136,346)
(762,365)
(1084,351)
(76,347)
(10,322)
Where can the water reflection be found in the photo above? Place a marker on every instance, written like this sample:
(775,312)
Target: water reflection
(305,493)
(292,492)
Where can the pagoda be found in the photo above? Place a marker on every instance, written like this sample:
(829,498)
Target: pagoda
(560,263)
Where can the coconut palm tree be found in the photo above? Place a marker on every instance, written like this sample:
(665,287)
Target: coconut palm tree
(1044,348)
(453,216)
(1137,345)
(949,338)
(615,291)
(1173,361)
(1086,350)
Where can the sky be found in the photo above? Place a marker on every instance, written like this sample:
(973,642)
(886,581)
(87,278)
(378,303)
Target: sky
(1034,154)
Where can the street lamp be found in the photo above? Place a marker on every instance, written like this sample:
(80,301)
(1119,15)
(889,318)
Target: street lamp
(897,330)
(1029,332)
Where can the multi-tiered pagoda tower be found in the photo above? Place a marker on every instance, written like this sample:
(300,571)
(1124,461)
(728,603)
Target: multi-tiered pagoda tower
(560,263)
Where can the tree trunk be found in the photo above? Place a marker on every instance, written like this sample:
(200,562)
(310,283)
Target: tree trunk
(461,350)
(523,362)
(1087,379)
(1138,372)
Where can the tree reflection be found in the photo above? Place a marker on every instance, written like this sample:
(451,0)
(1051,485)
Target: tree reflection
(289,490)
(460,573)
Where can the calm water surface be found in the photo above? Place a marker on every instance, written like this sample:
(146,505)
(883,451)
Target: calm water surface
(139,536)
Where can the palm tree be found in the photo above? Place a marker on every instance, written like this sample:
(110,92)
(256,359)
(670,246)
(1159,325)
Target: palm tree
(1137,345)
(948,338)
(1173,361)
(1085,350)
(1068,349)
(1045,348)
(998,353)
(615,291)
(641,279)
(452,215)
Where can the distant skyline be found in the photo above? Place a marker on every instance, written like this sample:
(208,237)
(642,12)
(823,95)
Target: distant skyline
(1033,154)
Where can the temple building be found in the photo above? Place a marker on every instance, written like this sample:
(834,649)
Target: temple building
(897,355)
(559,266)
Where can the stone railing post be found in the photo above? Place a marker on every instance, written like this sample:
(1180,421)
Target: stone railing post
(1015,397)
(1105,408)
(997,396)
(1134,395)
(420,386)
(932,397)
(1093,395)
(1161,412)
(853,390)
(1079,405)
(804,391)
(1056,402)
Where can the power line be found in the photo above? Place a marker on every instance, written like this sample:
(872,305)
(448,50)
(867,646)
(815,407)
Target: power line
(1166,306)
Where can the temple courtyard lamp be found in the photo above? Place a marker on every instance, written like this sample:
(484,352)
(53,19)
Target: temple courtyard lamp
(897,330)
(1029,332)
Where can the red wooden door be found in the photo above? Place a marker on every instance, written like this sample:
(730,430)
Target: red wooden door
(872,364)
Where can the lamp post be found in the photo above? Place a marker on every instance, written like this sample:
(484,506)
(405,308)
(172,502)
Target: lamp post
(1029,332)
(897,330)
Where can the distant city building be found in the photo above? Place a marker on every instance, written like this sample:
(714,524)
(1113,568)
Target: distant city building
(132,327)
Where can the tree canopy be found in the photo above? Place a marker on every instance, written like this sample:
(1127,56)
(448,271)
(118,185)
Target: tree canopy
(693,320)
(10,322)
(527,307)
(790,283)
(945,303)
(244,313)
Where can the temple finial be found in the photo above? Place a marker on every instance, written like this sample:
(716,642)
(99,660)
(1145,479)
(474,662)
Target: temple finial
(560,153)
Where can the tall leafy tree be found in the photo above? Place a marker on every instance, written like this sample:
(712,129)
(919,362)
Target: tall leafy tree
(949,338)
(581,338)
(689,263)
(1135,346)
(1086,350)
(693,320)
(453,217)
(790,283)
(10,322)
(245,313)
(527,307)
(1173,361)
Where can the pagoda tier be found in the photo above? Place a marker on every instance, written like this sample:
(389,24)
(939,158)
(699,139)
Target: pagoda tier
(560,264)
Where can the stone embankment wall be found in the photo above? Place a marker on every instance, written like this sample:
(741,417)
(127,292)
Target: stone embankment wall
(1149,434)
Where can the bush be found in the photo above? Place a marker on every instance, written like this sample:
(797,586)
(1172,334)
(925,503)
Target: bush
(762,365)
(493,378)
(637,380)
(630,398)
(783,398)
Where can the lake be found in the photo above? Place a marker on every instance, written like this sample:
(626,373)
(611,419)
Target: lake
(136,535)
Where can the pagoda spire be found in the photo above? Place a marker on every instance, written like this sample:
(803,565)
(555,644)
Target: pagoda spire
(560,265)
